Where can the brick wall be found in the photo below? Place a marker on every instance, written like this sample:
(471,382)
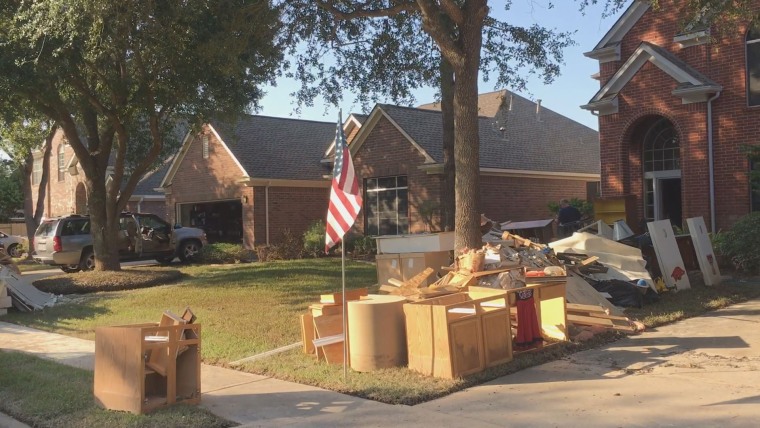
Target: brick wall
(67,196)
(290,208)
(648,95)
(386,152)
(521,199)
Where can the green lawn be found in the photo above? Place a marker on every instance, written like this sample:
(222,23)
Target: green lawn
(246,309)
(45,394)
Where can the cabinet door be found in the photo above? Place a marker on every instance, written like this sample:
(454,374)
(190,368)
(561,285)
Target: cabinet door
(497,337)
(466,346)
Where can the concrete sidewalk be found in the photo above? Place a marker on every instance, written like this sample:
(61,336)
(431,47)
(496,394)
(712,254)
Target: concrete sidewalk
(703,371)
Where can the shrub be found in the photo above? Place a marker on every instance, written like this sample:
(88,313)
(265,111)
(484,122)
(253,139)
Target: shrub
(221,253)
(740,243)
(361,246)
(314,239)
(290,247)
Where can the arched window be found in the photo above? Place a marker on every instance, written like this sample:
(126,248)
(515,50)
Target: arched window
(661,148)
(753,65)
(662,172)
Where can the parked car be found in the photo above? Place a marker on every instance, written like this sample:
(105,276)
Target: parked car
(14,245)
(66,241)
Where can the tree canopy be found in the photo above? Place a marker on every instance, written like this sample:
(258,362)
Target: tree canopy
(118,77)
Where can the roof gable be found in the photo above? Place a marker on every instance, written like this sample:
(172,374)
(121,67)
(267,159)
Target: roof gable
(271,147)
(608,49)
(692,87)
(517,138)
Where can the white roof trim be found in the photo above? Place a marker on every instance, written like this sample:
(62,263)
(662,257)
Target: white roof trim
(607,96)
(227,148)
(134,198)
(279,182)
(432,169)
(176,161)
(350,120)
(186,147)
(605,54)
(369,125)
(623,25)
(575,176)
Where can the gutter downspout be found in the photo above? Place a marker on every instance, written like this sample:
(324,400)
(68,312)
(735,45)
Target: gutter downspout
(710,160)
(266,210)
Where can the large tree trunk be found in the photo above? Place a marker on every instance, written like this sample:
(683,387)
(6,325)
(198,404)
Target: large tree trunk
(448,206)
(467,138)
(33,214)
(103,228)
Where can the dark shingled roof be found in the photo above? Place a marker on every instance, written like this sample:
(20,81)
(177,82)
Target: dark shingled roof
(152,180)
(546,142)
(279,148)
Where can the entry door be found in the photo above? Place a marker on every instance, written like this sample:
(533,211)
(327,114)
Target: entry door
(663,196)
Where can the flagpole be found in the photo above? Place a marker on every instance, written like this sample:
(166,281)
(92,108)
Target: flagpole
(345,321)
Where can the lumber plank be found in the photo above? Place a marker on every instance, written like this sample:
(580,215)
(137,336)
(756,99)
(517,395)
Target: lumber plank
(337,298)
(589,260)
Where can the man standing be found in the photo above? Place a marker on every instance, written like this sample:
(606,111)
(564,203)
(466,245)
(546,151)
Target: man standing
(568,219)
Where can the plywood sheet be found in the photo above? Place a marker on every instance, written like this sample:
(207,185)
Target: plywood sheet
(708,265)
(24,291)
(580,291)
(668,254)
(330,325)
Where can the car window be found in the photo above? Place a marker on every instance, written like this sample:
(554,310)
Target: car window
(154,223)
(44,229)
(76,227)
(2,235)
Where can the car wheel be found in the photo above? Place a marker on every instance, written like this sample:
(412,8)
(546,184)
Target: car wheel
(188,250)
(165,260)
(87,261)
(70,268)
(14,251)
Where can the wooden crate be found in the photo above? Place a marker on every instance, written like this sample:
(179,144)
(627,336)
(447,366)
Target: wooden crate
(123,380)
(457,335)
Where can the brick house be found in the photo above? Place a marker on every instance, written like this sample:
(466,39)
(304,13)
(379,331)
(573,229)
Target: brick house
(675,109)
(66,189)
(529,156)
(251,181)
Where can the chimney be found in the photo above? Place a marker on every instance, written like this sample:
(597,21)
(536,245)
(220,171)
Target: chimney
(538,110)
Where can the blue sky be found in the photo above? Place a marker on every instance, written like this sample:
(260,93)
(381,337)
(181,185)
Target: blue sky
(571,89)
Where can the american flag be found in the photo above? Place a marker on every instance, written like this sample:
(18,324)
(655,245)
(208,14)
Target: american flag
(345,200)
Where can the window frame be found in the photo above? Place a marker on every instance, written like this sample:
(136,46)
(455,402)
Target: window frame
(402,227)
(37,170)
(61,156)
(755,27)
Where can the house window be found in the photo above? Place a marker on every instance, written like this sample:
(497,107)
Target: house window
(37,171)
(386,206)
(753,65)
(662,165)
(61,162)
(205,146)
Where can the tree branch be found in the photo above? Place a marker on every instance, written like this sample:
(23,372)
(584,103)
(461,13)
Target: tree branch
(434,24)
(453,11)
(363,10)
